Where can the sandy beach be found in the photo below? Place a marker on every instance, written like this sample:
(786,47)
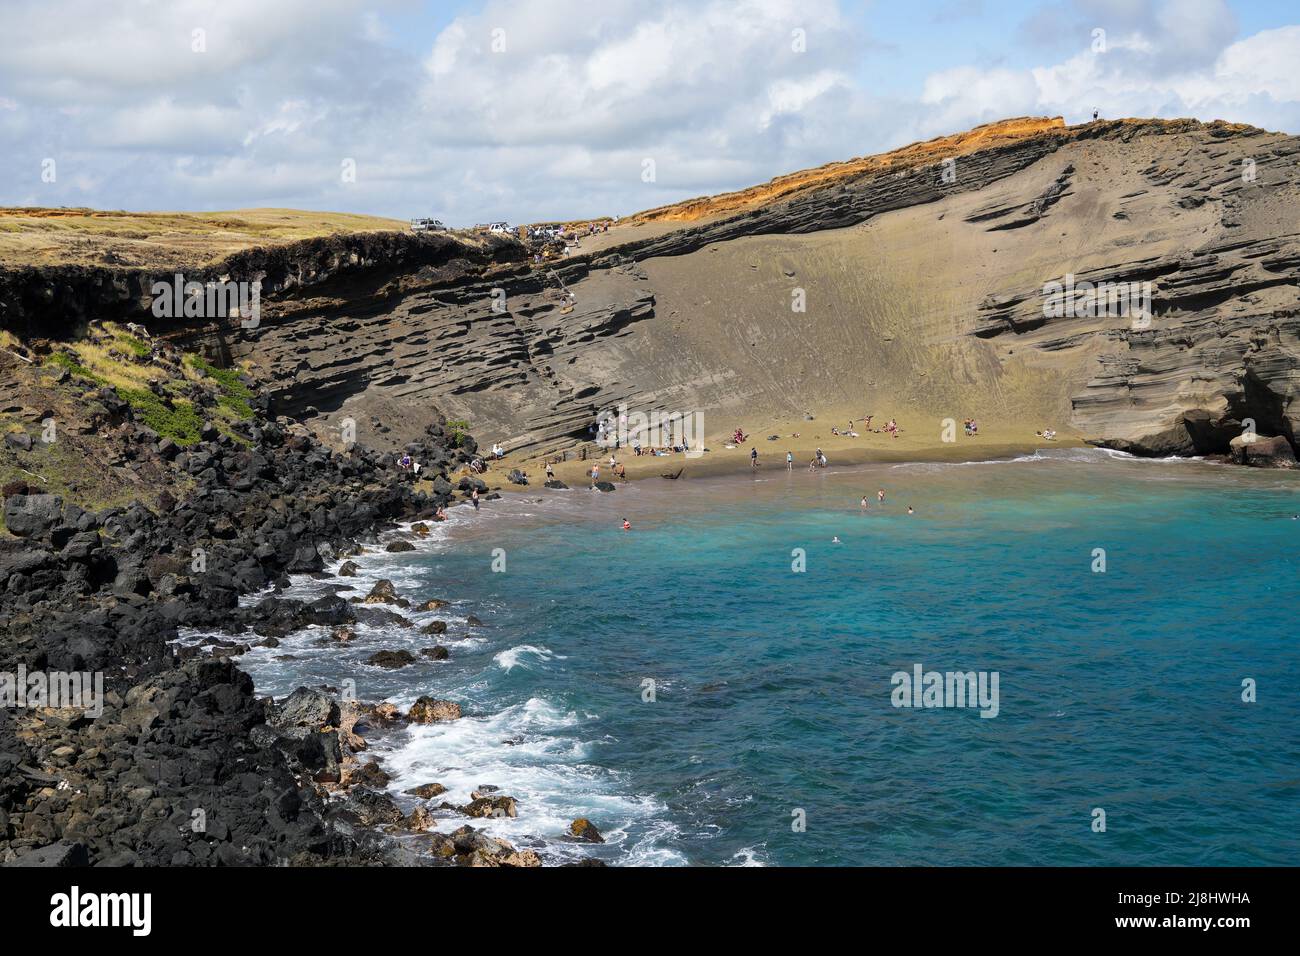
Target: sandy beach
(913,444)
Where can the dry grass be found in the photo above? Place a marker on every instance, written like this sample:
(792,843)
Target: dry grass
(40,236)
(930,151)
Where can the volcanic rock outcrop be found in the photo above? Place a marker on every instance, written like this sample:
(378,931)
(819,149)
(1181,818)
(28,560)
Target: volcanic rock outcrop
(924,275)
(912,284)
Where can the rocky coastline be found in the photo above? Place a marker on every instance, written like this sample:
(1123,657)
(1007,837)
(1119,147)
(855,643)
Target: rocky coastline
(185,764)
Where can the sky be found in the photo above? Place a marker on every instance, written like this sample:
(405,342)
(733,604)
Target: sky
(530,110)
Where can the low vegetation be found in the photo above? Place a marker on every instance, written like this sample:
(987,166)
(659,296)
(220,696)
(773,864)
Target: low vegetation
(459,431)
(156,394)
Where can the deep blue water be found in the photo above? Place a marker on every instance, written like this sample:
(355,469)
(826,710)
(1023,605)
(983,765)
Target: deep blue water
(1119,690)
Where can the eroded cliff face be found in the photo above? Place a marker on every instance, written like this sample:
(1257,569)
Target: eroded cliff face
(923,278)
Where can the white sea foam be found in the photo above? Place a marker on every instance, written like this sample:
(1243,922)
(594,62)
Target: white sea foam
(536,751)
(533,752)
(749,856)
(524,655)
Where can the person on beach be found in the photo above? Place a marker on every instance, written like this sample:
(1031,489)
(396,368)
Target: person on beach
(789,461)
(753,458)
(550,472)
(595,473)
(473,496)
(620,472)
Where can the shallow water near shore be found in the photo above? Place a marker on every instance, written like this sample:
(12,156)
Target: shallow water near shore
(772,689)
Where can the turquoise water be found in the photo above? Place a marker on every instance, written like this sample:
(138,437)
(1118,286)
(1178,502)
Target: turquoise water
(1119,690)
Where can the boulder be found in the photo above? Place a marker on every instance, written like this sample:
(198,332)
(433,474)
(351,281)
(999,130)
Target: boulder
(434,627)
(1275,452)
(373,808)
(19,440)
(368,774)
(384,593)
(483,806)
(305,708)
(437,652)
(556,484)
(348,569)
(520,858)
(63,853)
(419,819)
(380,617)
(399,546)
(426,791)
(32,516)
(391,659)
(584,830)
(427,710)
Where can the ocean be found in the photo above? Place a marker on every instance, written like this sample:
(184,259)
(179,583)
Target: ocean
(718,685)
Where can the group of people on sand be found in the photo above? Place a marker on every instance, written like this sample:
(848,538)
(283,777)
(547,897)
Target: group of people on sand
(891,427)
(616,468)
(1047,433)
(971,426)
(656,452)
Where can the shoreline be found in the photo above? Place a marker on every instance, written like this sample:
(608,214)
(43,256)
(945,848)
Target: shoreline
(722,461)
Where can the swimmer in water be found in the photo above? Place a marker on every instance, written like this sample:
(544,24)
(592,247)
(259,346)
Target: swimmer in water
(865,503)
(627,525)
(881,495)
(910,511)
(835,540)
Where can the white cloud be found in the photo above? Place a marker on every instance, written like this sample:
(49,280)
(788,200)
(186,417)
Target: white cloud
(527,110)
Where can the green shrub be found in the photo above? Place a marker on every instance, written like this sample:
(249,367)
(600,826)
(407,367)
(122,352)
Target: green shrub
(459,429)
(237,407)
(181,422)
(235,397)
(66,361)
(132,344)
